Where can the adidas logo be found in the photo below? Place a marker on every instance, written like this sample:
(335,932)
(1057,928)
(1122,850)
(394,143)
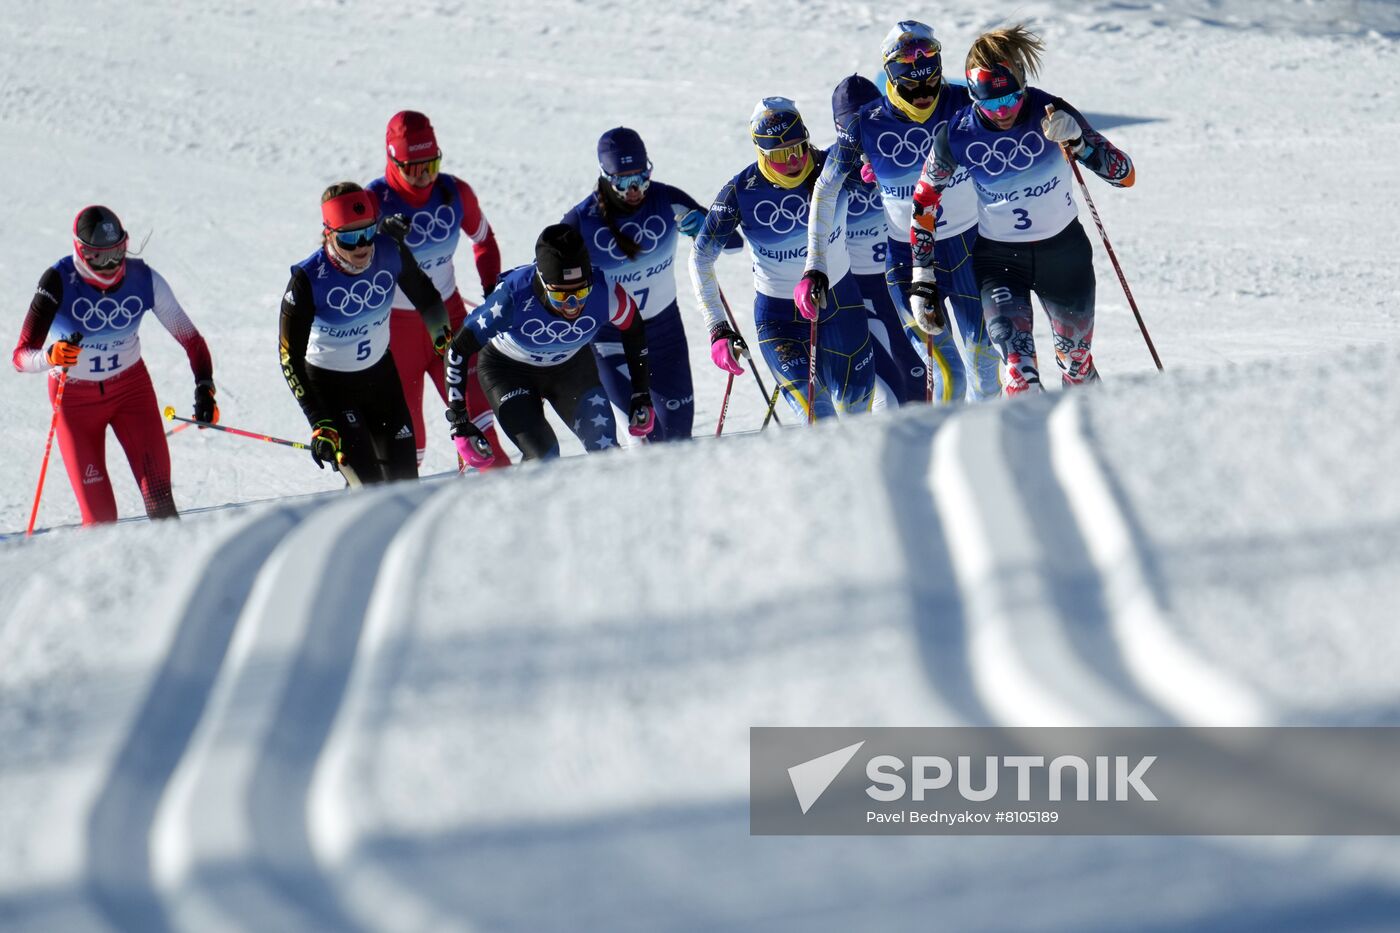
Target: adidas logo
(404,432)
(91,475)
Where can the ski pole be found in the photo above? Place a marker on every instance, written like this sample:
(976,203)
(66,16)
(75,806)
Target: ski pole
(763,389)
(812,377)
(928,369)
(772,406)
(1122,279)
(177,429)
(48,444)
(171,416)
(724,406)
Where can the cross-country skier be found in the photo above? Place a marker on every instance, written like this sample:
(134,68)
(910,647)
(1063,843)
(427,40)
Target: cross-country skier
(532,335)
(440,208)
(899,370)
(895,135)
(631,225)
(1031,239)
(335,338)
(101,294)
(770,202)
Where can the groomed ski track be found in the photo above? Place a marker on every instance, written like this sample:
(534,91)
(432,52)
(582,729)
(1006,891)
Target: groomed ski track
(237,798)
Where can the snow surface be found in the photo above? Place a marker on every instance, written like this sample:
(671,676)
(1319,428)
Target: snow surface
(522,701)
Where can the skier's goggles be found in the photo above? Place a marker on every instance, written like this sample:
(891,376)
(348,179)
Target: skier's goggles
(910,52)
(1001,106)
(623,183)
(425,167)
(354,239)
(785,154)
(566,299)
(103,258)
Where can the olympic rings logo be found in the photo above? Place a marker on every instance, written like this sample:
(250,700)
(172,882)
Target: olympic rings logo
(862,200)
(363,295)
(106,312)
(435,225)
(1006,153)
(784,216)
(557,330)
(906,150)
(646,235)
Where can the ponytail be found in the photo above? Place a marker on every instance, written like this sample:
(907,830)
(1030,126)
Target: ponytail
(1016,46)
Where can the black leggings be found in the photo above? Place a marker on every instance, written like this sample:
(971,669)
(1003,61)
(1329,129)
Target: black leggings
(517,392)
(1060,270)
(376,432)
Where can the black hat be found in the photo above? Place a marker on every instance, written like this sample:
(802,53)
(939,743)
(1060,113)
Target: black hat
(98,227)
(850,96)
(562,258)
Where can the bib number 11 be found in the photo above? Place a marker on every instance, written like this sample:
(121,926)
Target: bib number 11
(113,362)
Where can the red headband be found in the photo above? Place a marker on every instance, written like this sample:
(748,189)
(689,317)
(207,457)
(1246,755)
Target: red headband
(348,210)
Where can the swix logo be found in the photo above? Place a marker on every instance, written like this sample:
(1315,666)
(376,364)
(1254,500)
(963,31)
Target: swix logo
(513,393)
(91,475)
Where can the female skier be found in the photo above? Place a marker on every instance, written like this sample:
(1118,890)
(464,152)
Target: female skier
(899,370)
(334,342)
(532,333)
(770,201)
(893,136)
(90,305)
(631,225)
(1015,141)
(440,208)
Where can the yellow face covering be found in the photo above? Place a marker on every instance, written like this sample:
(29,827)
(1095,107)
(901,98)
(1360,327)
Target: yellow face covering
(917,114)
(778,178)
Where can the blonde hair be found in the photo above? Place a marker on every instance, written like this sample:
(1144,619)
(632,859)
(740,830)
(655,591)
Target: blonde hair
(1015,45)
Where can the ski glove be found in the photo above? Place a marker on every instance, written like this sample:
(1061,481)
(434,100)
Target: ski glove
(810,293)
(442,341)
(64,352)
(641,417)
(472,445)
(325,445)
(396,226)
(867,173)
(206,411)
(926,303)
(1060,127)
(726,347)
(691,222)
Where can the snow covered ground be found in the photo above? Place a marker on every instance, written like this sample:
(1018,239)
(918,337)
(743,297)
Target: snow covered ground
(521,701)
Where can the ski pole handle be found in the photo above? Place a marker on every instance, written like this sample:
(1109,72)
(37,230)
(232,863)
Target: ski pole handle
(170,415)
